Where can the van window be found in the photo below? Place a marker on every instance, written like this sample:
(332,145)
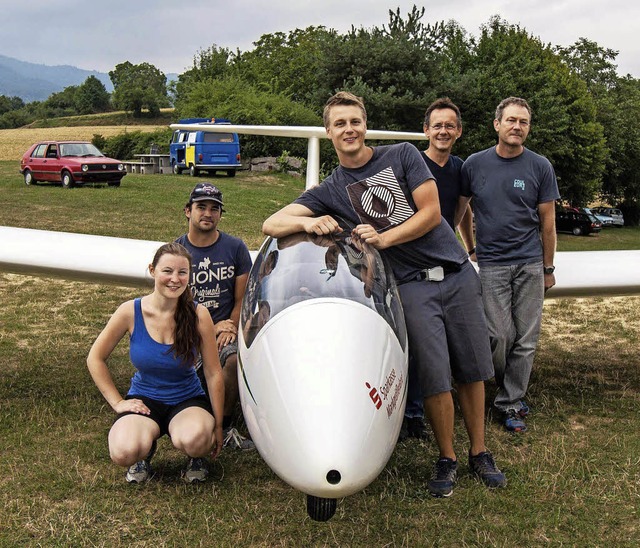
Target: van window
(218,138)
(191,138)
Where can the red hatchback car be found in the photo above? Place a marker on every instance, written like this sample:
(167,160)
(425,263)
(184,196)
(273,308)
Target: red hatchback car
(71,163)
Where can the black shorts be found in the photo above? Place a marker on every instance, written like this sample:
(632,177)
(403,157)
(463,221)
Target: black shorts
(162,413)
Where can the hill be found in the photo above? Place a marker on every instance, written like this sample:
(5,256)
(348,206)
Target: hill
(35,82)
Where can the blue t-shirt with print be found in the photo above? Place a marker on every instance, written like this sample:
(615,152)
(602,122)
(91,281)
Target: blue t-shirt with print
(214,270)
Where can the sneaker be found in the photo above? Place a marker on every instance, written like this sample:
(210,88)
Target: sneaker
(141,471)
(484,467)
(235,440)
(404,430)
(443,478)
(514,422)
(417,428)
(524,409)
(196,470)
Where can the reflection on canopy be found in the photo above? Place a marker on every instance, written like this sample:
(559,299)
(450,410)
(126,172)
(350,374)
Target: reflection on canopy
(303,266)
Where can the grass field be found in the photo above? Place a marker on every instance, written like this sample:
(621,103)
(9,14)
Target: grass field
(574,478)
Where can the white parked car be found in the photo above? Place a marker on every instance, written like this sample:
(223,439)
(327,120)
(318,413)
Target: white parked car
(614,213)
(606,220)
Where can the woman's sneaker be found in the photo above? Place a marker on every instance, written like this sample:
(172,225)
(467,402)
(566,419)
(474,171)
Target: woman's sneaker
(196,470)
(443,477)
(141,471)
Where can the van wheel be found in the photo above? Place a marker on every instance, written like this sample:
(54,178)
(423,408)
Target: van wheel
(67,180)
(176,169)
(193,171)
(231,172)
(577,231)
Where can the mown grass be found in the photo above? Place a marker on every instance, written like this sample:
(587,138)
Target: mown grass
(574,478)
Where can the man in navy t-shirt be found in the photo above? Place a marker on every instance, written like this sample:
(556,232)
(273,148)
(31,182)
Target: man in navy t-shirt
(442,127)
(219,273)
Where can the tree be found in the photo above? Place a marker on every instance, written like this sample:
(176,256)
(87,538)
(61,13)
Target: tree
(139,86)
(618,109)
(211,63)
(8,104)
(393,67)
(289,64)
(91,97)
(505,60)
(242,103)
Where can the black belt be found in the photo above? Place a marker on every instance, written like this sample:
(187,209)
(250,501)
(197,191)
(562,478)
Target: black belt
(434,274)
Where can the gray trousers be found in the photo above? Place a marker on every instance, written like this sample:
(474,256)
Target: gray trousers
(513,297)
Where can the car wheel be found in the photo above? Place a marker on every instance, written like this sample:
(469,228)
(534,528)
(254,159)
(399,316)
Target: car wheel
(114,183)
(67,180)
(193,171)
(176,169)
(577,231)
(28,178)
(231,172)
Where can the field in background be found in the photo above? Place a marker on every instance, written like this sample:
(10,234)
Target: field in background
(574,478)
(15,142)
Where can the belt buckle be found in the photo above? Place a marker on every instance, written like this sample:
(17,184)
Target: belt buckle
(435,274)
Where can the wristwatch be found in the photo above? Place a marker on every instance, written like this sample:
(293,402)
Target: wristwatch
(549,269)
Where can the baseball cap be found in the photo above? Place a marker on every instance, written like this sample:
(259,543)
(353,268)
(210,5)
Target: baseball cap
(206,191)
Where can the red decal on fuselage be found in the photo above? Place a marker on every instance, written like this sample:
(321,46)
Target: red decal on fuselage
(375,397)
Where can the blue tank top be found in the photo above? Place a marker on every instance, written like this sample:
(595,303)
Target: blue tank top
(160,375)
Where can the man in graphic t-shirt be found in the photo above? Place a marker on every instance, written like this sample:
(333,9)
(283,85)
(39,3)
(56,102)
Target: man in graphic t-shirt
(390,196)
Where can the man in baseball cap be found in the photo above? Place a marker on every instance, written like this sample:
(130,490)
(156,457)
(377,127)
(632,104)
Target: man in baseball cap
(219,272)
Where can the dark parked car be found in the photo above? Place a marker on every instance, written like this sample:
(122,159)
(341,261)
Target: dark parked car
(71,163)
(577,223)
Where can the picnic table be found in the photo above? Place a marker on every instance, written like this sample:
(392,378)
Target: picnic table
(154,163)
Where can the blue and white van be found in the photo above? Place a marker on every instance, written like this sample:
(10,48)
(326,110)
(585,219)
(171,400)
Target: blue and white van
(198,151)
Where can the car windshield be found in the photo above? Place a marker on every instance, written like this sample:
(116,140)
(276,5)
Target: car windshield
(592,218)
(79,149)
(302,267)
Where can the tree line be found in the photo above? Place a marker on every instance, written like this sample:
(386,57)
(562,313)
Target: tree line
(585,115)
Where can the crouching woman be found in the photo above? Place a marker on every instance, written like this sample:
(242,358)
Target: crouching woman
(166,331)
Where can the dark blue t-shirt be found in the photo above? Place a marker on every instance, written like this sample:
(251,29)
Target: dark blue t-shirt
(214,270)
(379,194)
(448,179)
(506,193)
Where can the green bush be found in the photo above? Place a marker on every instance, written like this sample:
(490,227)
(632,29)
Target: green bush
(128,144)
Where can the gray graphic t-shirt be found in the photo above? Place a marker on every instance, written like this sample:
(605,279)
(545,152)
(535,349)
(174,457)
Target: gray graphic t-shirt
(379,194)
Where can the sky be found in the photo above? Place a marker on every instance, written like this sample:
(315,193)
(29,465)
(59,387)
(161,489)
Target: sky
(169,33)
